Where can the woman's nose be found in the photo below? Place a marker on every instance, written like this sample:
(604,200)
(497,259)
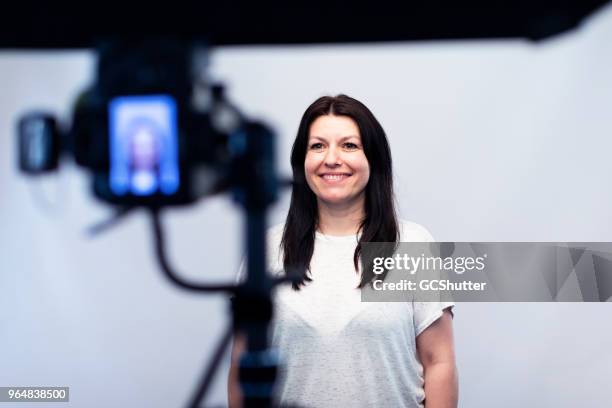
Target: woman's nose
(332,159)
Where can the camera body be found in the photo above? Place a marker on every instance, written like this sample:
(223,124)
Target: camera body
(138,131)
(145,128)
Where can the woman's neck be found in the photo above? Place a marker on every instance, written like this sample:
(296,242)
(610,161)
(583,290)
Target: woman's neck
(341,219)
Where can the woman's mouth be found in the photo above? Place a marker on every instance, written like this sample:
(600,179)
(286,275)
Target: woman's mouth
(335,177)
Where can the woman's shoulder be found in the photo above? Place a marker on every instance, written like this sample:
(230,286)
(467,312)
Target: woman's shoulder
(275,232)
(274,235)
(412,232)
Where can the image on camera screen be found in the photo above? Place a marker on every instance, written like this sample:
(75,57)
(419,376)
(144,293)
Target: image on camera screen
(143,145)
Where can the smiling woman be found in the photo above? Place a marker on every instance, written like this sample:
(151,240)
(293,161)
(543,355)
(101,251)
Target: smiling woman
(339,144)
(338,351)
(336,168)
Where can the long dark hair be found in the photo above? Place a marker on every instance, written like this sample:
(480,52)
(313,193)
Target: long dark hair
(380,221)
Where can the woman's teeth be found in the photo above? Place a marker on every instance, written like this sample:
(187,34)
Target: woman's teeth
(334,176)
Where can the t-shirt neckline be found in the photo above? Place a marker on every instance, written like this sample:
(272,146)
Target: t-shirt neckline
(339,238)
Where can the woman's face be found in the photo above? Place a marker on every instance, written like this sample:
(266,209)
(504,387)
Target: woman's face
(336,167)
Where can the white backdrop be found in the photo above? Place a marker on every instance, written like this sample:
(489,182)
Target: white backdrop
(492,141)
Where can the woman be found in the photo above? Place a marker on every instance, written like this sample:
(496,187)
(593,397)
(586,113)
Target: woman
(338,351)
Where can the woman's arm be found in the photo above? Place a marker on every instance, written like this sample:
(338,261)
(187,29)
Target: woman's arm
(234,393)
(436,352)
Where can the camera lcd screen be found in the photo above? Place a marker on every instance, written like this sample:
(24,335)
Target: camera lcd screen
(143,146)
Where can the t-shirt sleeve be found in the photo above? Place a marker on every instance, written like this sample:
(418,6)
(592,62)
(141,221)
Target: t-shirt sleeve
(425,313)
(413,232)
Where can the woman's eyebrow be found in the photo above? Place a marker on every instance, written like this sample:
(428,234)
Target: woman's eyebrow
(348,137)
(317,137)
(342,139)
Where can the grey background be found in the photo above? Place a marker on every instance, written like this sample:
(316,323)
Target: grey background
(492,141)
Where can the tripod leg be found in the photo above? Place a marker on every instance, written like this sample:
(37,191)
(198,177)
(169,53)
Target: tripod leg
(209,374)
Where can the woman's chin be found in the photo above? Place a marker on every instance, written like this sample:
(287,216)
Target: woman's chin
(336,201)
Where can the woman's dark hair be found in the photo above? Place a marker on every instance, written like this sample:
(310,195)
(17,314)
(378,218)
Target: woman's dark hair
(380,221)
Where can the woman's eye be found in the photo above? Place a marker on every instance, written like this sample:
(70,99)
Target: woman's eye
(350,146)
(316,146)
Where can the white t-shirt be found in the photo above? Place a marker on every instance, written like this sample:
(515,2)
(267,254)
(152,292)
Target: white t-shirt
(338,351)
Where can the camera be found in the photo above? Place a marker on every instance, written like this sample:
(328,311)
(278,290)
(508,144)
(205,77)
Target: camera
(151,129)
